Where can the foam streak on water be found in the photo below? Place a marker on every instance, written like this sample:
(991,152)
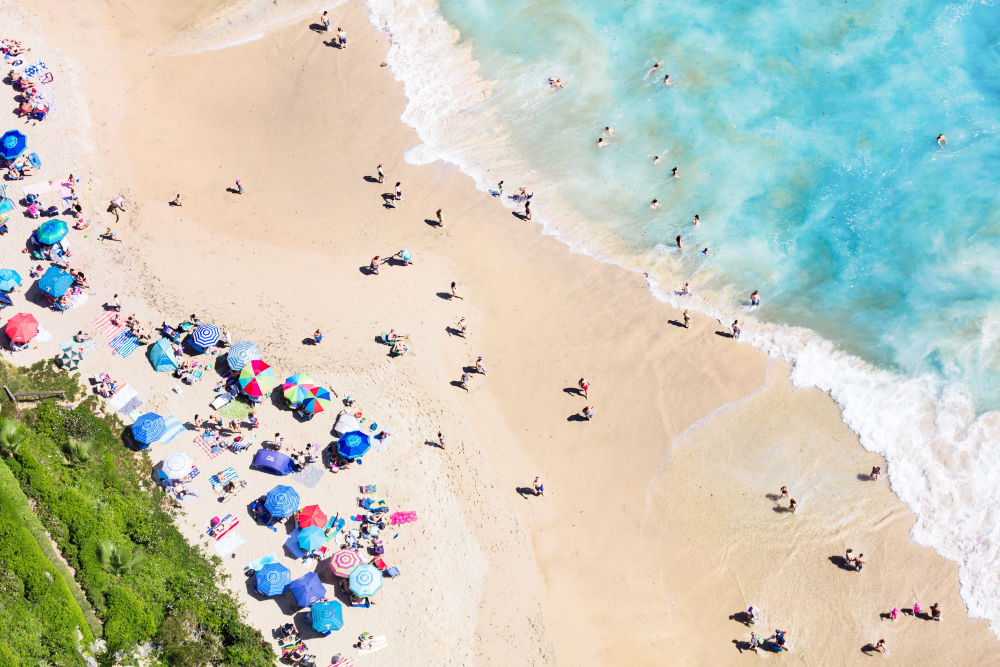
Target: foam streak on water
(804,135)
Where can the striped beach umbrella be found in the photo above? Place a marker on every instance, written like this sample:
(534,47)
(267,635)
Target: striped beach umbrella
(317,401)
(241,354)
(365,580)
(257,379)
(161,355)
(69,359)
(55,282)
(296,388)
(273,579)
(22,327)
(51,231)
(312,515)
(311,538)
(327,616)
(282,501)
(177,465)
(307,589)
(148,428)
(205,335)
(353,445)
(344,561)
(9,279)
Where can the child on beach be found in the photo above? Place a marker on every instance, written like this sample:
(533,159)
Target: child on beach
(318,337)
(381,173)
(538,487)
(239,187)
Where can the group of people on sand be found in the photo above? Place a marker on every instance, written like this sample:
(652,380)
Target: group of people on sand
(31,103)
(341,39)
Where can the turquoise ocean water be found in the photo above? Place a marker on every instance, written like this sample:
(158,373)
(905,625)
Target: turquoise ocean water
(804,135)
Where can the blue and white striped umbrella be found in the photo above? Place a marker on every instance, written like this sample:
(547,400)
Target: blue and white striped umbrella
(242,354)
(148,428)
(273,579)
(282,501)
(205,335)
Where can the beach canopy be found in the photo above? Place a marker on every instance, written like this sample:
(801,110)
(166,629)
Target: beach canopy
(12,144)
(55,282)
(282,501)
(148,428)
(51,231)
(177,465)
(275,463)
(354,445)
(327,616)
(273,579)
(161,355)
(22,327)
(345,423)
(312,515)
(307,589)
(317,400)
(311,538)
(205,335)
(365,580)
(69,360)
(257,379)
(344,561)
(296,388)
(241,354)
(9,279)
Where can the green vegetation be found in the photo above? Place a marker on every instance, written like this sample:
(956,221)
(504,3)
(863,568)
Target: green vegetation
(139,575)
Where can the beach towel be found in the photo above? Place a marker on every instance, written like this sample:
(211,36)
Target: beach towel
(292,544)
(219,480)
(343,662)
(289,648)
(402,517)
(261,562)
(133,404)
(309,477)
(106,326)
(228,544)
(374,644)
(213,446)
(124,343)
(121,397)
(338,525)
(171,427)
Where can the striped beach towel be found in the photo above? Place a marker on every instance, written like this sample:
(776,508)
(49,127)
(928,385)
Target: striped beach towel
(208,445)
(171,427)
(106,326)
(219,480)
(124,343)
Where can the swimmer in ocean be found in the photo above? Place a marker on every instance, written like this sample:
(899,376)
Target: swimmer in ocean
(697,220)
(609,130)
(674,172)
(942,140)
(600,142)
(656,159)
(652,69)
(654,203)
(667,81)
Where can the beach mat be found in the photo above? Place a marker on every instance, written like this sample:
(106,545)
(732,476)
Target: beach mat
(121,397)
(235,409)
(124,343)
(292,544)
(105,326)
(207,448)
(375,644)
(309,477)
(228,544)
(172,426)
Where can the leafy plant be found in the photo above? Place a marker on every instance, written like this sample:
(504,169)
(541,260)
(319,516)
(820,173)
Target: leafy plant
(78,451)
(12,436)
(119,560)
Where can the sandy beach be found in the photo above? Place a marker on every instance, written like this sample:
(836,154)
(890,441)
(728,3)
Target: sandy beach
(659,522)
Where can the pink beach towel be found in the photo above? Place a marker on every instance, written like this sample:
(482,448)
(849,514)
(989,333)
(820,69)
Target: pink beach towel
(206,446)
(402,517)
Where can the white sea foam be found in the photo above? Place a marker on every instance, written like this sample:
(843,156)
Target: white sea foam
(943,459)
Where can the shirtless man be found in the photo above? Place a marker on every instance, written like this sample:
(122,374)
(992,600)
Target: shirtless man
(942,140)
(667,81)
(652,69)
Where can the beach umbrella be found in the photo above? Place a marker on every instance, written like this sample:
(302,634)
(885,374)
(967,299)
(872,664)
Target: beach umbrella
(22,327)
(148,428)
(312,515)
(282,501)
(177,465)
(51,231)
(365,580)
(55,282)
(12,144)
(257,379)
(317,401)
(311,538)
(353,445)
(241,354)
(69,359)
(327,616)
(344,561)
(205,335)
(9,279)
(273,579)
(161,355)
(307,589)
(296,388)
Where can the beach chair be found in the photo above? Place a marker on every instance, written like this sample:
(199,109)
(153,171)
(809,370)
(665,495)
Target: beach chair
(383,568)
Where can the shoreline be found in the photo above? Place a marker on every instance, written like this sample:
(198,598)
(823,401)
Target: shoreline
(504,288)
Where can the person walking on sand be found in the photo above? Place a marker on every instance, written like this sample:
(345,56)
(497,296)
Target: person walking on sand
(440,219)
(859,563)
(440,440)
(454,293)
(792,505)
(480,367)
(752,615)
(942,140)
(398,196)
(894,614)
(500,188)
(876,471)
(584,387)
(527,209)
(465,381)
(588,412)
(325,20)
(116,304)
(462,327)
(538,487)
(341,38)
(375,263)
(754,298)
(935,612)
(687,320)
(849,557)
(880,646)
(381,173)
(754,642)
(784,493)
(916,608)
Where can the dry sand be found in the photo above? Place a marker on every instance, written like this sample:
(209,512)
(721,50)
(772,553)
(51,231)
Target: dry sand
(656,526)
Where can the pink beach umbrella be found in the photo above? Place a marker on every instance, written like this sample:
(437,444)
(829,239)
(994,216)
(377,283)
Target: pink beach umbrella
(344,561)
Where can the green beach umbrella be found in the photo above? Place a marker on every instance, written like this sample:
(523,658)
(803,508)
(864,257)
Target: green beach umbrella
(69,360)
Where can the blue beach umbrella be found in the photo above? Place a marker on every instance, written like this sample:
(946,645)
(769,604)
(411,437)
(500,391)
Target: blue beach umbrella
(12,144)
(273,579)
(9,279)
(51,231)
(148,428)
(205,335)
(282,501)
(353,445)
(307,589)
(311,537)
(241,354)
(55,282)
(327,616)
(365,580)
(161,355)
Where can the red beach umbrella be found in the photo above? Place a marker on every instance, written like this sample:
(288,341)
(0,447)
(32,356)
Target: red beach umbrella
(22,327)
(312,516)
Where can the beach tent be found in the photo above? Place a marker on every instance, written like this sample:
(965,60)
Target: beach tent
(241,354)
(296,388)
(69,360)
(345,424)
(22,327)
(365,580)
(317,400)
(12,144)
(353,445)
(55,282)
(344,561)
(257,380)
(177,465)
(327,616)
(281,501)
(148,428)
(161,355)
(9,279)
(273,579)
(311,538)
(312,515)
(51,231)
(275,463)
(204,336)
(308,589)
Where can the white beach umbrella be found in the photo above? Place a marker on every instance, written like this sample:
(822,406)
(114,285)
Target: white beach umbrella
(177,465)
